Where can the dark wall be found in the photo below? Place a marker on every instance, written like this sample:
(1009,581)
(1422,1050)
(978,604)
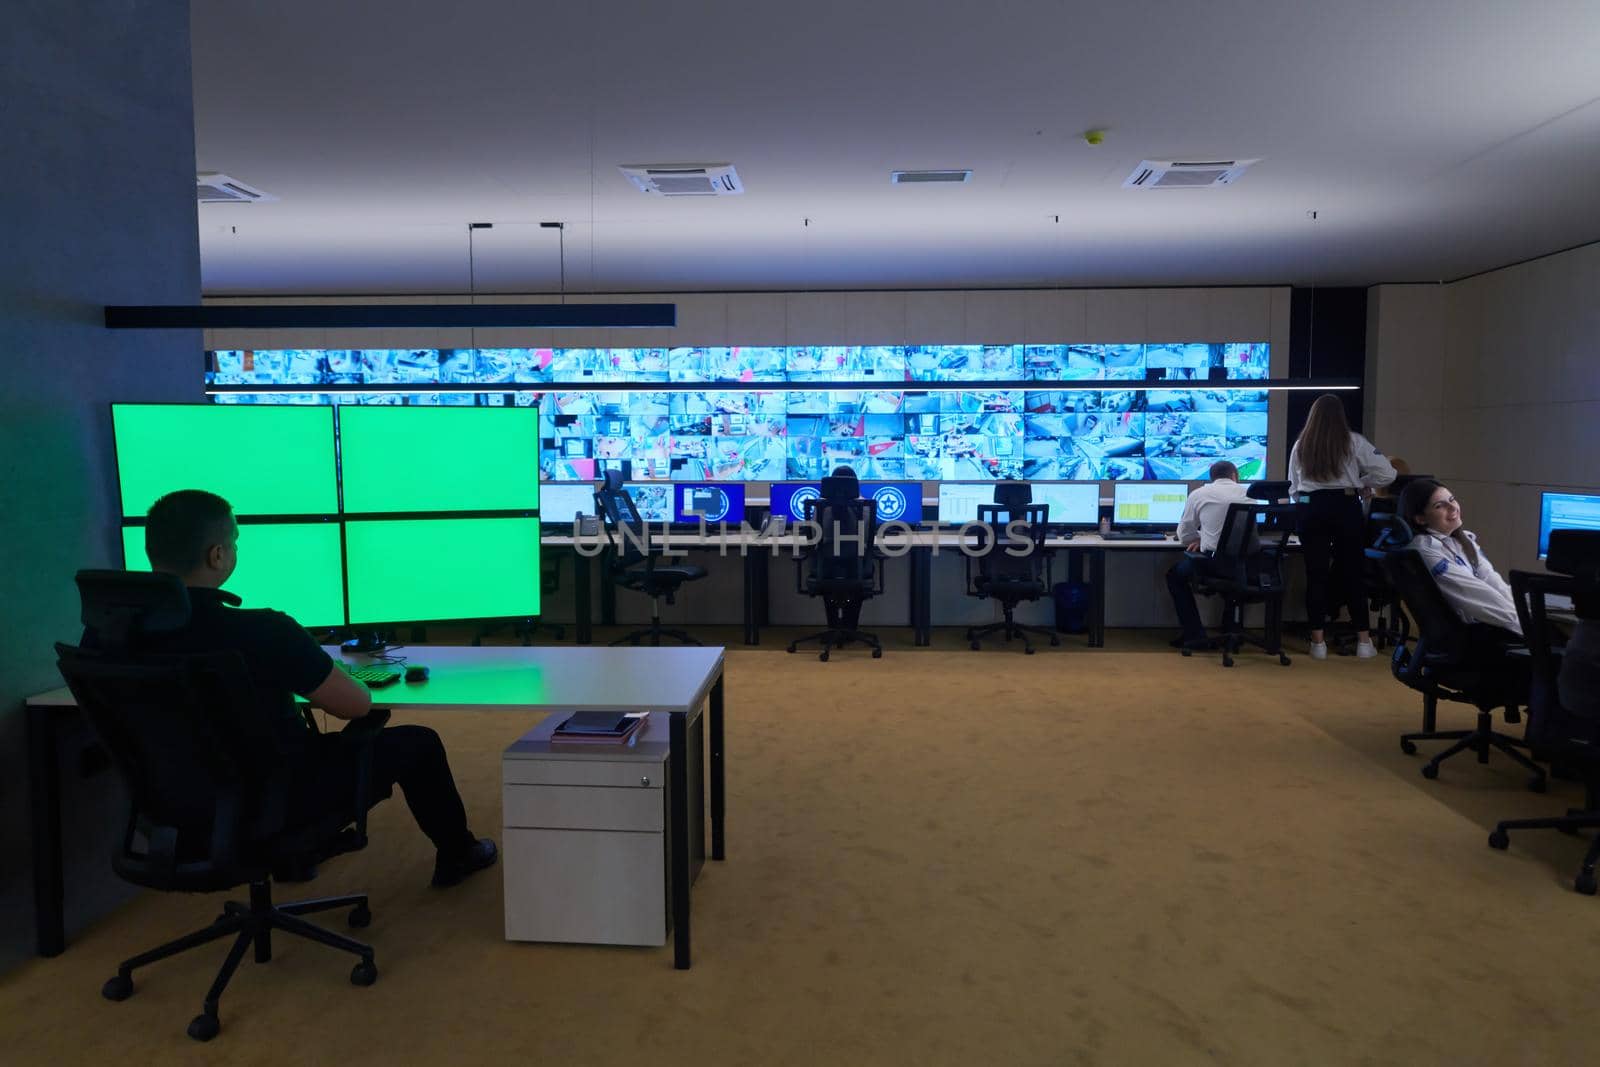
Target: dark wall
(1327,339)
(99,120)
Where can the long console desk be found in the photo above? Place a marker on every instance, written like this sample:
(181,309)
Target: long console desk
(1085,552)
(531,682)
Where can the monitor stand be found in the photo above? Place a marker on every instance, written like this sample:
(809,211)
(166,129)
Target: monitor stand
(365,643)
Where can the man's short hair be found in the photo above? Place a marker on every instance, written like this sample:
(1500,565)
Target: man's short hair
(182,526)
(1223,469)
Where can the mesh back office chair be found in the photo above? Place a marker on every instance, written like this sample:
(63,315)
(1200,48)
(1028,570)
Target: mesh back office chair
(1268,492)
(1247,568)
(842,567)
(1569,740)
(1386,532)
(636,561)
(205,769)
(1009,579)
(1440,663)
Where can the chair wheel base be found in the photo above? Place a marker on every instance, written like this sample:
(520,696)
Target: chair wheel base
(791,649)
(204,1027)
(1430,771)
(117,987)
(360,917)
(1408,747)
(823,656)
(1283,661)
(364,973)
(1585,883)
(1499,839)
(877,653)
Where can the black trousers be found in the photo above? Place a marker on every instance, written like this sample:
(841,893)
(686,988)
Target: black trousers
(411,757)
(1333,538)
(1190,566)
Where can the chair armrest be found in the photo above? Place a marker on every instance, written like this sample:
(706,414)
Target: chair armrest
(361,734)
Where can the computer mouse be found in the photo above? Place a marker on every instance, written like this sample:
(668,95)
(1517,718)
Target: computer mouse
(416,673)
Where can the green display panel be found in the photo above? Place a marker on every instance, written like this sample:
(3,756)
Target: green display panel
(418,570)
(292,567)
(264,460)
(439,458)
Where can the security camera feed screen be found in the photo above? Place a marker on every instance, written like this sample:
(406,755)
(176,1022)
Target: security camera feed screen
(891,413)
(560,504)
(439,459)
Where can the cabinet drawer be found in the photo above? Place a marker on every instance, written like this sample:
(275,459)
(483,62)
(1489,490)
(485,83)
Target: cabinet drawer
(595,888)
(635,774)
(583,807)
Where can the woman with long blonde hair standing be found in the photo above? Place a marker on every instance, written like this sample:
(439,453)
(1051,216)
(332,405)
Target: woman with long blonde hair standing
(1329,467)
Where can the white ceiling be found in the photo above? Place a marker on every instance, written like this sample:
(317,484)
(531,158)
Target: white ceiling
(1434,138)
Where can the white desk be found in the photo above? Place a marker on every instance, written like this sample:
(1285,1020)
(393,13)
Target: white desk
(531,681)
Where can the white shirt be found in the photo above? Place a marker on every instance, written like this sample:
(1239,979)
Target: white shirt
(1206,510)
(1365,467)
(1478,593)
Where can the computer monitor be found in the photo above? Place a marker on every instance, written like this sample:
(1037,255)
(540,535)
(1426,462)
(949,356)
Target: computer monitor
(427,570)
(560,502)
(425,458)
(958,501)
(264,460)
(1148,503)
(711,501)
(787,500)
(653,500)
(1566,511)
(1071,503)
(896,501)
(293,567)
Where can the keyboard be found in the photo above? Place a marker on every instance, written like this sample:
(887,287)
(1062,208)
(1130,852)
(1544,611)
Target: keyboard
(377,675)
(1133,535)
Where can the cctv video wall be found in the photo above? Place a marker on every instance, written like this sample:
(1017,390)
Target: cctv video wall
(928,412)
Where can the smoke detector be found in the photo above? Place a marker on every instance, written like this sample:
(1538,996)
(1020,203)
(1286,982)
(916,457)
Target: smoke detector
(929,177)
(1186,174)
(683,179)
(214,188)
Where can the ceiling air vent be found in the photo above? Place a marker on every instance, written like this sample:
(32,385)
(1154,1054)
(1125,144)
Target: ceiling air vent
(684,179)
(213,188)
(1187,174)
(926,177)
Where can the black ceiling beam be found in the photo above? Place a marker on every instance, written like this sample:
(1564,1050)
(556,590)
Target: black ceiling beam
(386,316)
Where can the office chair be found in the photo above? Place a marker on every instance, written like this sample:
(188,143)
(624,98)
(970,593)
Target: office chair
(1386,532)
(636,561)
(1268,492)
(208,776)
(1247,568)
(1568,740)
(841,567)
(1439,663)
(1007,578)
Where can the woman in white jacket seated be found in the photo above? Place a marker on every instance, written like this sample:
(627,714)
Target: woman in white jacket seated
(1460,568)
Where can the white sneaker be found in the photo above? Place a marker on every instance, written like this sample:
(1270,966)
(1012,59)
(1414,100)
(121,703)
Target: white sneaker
(1319,650)
(1365,650)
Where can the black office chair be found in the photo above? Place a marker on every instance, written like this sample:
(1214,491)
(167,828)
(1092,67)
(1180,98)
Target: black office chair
(1570,741)
(636,562)
(1009,579)
(1268,492)
(1247,568)
(842,567)
(1386,532)
(1439,663)
(206,770)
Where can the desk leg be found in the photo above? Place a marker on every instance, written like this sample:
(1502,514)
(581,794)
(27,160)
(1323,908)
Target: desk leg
(583,596)
(718,803)
(678,810)
(49,924)
(608,595)
(1097,601)
(752,632)
(922,596)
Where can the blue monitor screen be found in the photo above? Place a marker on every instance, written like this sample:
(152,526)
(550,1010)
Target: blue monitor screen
(788,499)
(1566,511)
(896,501)
(1071,503)
(693,501)
(559,503)
(1148,503)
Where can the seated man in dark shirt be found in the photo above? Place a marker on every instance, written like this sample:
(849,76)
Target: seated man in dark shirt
(192,534)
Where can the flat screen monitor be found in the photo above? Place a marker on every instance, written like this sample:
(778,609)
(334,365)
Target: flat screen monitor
(294,568)
(693,501)
(559,503)
(264,460)
(652,499)
(424,570)
(896,501)
(787,500)
(1566,511)
(958,501)
(425,458)
(1148,503)
(1070,503)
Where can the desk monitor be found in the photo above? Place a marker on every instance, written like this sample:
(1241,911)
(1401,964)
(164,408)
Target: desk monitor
(712,501)
(292,567)
(428,570)
(787,500)
(1566,511)
(896,501)
(1148,503)
(425,458)
(1071,503)
(558,503)
(264,460)
(652,499)
(958,501)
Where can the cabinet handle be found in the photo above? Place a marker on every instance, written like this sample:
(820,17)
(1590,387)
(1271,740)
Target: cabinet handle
(644,780)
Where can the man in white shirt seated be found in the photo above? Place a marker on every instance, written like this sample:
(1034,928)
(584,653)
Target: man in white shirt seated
(1199,530)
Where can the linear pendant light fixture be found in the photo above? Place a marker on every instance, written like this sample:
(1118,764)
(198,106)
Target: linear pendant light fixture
(387,316)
